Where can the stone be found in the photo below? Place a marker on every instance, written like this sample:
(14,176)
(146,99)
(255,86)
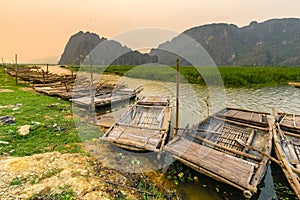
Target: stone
(24,130)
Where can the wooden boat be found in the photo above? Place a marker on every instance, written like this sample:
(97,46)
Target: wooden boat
(287,147)
(68,91)
(35,75)
(104,99)
(216,147)
(144,127)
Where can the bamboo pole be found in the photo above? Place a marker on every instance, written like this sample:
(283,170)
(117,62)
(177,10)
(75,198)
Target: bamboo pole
(242,124)
(177,97)
(140,127)
(44,78)
(91,87)
(234,151)
(47,70)
(297,171)
(292,134)
(16,70)
(259,151)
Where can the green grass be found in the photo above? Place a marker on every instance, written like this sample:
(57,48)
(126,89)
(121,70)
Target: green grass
(230,76)
(52,128)
(65,193)
(259,76)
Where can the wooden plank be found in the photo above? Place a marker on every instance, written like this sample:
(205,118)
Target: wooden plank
(292,134)
(251,116)
(140,127)
(243,116)
(194,151)
(216,176)
(137,131)
(235,170)
(244,110)
(215,145)
(231,112)
(244,124)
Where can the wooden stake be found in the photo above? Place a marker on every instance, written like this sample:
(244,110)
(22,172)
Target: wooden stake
(44,78)
(91,87)
(47,70)
(16,70)
(177,97)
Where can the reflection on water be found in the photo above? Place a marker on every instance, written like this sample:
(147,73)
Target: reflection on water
(194,99)
(196,102)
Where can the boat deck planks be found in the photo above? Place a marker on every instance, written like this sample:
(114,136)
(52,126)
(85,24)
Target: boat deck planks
(144,126)
(245,115)
(154,100)
(220,163)
(147,139)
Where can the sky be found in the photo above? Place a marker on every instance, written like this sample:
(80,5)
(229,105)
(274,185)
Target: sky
(40,29)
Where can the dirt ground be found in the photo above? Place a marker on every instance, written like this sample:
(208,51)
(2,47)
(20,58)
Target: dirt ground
(48,173)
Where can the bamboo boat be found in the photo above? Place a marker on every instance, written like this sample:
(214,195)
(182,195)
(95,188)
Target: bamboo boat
(108,98)
(68,91)
(144,127)
(35,75)
(217,147)
(287,147)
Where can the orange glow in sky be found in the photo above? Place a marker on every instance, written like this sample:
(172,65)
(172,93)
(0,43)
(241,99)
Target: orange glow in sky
(36,29)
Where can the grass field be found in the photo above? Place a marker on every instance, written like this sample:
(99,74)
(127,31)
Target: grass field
(52,126)
(231,76)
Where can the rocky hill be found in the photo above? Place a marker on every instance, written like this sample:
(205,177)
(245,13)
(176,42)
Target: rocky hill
(273,42)
(81,44)
(78,46)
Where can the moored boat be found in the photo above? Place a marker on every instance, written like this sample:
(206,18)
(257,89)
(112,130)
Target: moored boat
(287,147)
(144,127)
(104,99)
(217,147)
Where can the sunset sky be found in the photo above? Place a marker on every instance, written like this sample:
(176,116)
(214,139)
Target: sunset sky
(36,29)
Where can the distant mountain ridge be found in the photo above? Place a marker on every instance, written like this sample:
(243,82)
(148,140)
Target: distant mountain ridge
(270,43)
(275,42)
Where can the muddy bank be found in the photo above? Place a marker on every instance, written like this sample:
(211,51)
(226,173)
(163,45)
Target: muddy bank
(43,175)
(54,174)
